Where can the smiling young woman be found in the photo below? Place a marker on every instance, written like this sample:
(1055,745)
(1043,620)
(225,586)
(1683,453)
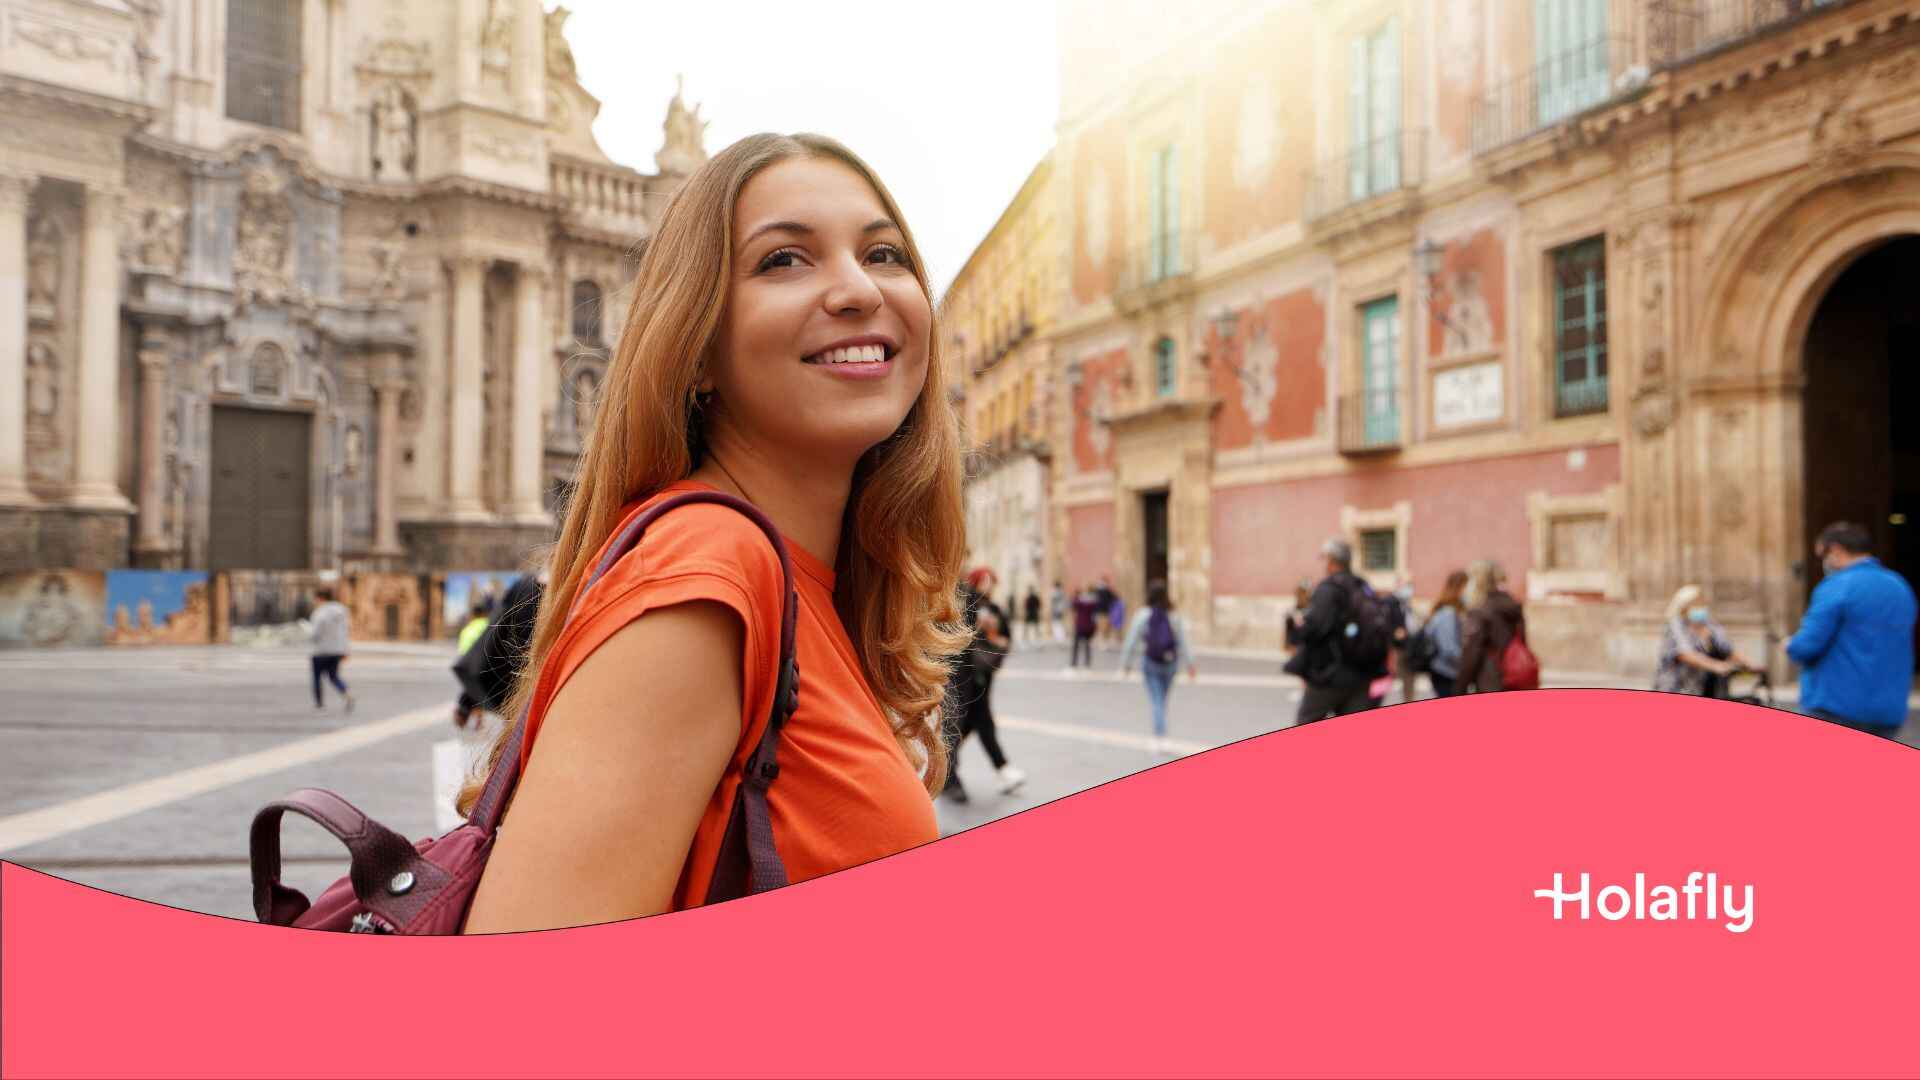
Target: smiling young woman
(779,348)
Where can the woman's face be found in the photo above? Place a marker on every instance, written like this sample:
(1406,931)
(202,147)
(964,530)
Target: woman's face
(823,347)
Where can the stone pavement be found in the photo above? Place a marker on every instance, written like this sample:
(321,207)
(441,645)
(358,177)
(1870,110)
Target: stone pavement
(138,770)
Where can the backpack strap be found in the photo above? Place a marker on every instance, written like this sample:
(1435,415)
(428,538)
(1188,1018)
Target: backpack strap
(749,862)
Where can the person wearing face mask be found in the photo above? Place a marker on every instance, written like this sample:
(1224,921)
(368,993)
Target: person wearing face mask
(781,350)
(1855,643)
(1695,655)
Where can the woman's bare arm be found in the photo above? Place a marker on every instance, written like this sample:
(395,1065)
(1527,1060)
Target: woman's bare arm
(629,754)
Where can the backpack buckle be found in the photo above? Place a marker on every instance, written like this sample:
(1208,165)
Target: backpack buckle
(765,771)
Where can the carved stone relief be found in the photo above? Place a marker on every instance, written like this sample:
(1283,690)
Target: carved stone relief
(267,374)
(1841,138)
(263,235)
(397,58)
(66,44)
(1652,409)
(158,239)
(1259,381)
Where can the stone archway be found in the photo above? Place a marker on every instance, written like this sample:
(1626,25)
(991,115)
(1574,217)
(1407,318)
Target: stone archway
(1748,372)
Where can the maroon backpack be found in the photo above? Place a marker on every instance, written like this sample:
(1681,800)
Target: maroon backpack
(397,887)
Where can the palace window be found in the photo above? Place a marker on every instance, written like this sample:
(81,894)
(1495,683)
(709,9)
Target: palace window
(1379,550)
(1165,373)
(1380,370)
(1570,49)
(263,62)
(1163,212)
(1373,112)
(1580,328)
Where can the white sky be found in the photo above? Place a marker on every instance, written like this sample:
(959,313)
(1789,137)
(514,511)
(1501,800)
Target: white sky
(952,104)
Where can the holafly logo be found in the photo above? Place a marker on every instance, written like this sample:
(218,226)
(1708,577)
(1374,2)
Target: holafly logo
(1702,897)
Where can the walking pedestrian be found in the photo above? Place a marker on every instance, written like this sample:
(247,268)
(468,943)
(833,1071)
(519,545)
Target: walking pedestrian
(1160,636)
(1103,611)
(970,689)
(1344,641)
(1855,643)
(477,619)
(1493,618)
(1293,625)
(785,359)
(1057,612)
(1116,617)
(488,668)
(1408,624)
(1033,615)
(1443,632)
(1085,625)
(332,627)
(1695,654)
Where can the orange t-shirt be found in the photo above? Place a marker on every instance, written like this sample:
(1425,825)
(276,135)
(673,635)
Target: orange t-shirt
(846,793)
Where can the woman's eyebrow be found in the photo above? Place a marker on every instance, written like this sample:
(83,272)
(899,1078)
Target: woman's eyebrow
(801,229)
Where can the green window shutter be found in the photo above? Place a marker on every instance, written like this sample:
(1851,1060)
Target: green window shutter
(1170,216)
(1580,328)
(1165,374)
(1386,107)
(1156,222)
(1380,367)
(1357,149)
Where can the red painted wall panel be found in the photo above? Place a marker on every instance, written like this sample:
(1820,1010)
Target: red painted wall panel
(1267,537)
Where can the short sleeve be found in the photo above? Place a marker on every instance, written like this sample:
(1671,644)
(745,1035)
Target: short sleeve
(695,553)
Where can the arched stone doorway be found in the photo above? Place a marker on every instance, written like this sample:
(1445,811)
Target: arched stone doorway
(1799,338)
(1861,456)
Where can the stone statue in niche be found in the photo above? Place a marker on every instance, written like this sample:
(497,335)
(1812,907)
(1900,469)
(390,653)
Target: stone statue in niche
(355,451)
(43,270)
(387,278)
(586,395)
(1469,323)
(43,386)
(683,152)
(559,54)
(393,139)
(158,245)
(496,39)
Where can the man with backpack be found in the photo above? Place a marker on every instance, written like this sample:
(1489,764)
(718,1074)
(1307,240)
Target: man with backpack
(1345,640)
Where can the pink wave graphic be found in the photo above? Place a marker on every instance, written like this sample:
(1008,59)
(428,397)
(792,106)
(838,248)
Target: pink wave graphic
(1351,898)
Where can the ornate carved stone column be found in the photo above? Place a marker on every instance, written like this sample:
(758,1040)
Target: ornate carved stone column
(156,357)
(466,341)
(97,434)
(14,190)
(388,382)
(531,339)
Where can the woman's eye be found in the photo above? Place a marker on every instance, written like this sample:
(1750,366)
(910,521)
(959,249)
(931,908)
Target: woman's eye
(779,260)
(890,253)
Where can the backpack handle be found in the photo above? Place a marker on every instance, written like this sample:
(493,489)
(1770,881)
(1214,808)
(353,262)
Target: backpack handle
(766,869)
(379,856)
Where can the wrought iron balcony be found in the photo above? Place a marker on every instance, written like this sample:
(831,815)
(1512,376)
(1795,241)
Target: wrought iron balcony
(1561,87)
(1369,422)
(1158,270)
(1581,398)
(1395,162)
(1678,30)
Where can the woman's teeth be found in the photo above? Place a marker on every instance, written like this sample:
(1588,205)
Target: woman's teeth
(858,354)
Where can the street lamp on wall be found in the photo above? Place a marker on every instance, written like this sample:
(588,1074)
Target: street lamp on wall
(1430,259)
(1225,323)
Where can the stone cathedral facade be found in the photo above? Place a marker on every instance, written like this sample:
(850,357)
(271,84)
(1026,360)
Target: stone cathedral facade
(302,284)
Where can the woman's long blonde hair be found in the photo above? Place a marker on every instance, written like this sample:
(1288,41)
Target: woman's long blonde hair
(1483,577)
(904,535)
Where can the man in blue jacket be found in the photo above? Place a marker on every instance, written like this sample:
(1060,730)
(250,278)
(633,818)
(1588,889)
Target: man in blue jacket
(1855,645)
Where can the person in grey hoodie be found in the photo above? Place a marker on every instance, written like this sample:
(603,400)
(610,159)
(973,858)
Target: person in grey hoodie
(330,634)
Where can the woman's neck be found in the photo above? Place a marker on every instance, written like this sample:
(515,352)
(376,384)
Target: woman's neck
(805,500)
